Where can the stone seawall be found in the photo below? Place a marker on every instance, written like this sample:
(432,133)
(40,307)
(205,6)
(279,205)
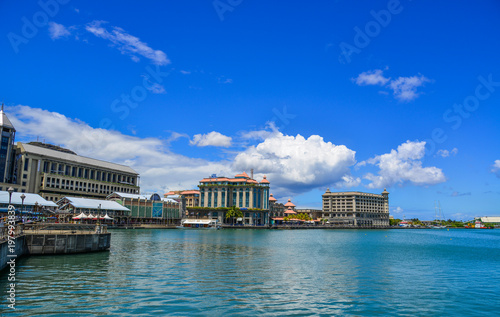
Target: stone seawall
(20,249)
(38,244)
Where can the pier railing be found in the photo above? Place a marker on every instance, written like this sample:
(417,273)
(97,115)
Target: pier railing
(64,228)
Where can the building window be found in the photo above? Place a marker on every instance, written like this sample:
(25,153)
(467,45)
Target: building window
(26,164)
(25,176)
(24,183)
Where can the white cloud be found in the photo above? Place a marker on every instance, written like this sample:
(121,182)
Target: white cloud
(496,168)
(403,165)
(397,210)
(160,169)
(371,77)
(57,31)
(211,139)
(126,43)
(185,72)
(296,164)
(156,88)
(263,134)
(348,181)
(405,88)
(446,153)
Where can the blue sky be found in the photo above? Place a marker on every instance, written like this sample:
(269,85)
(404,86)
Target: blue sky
(351,95)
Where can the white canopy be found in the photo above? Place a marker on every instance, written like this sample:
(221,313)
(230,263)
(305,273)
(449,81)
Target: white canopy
(29,200)
(107,217)
(81,216)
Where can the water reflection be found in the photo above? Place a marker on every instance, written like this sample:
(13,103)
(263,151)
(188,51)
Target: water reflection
(247,272)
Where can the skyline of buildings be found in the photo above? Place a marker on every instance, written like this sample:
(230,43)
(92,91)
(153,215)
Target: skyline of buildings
(55,172)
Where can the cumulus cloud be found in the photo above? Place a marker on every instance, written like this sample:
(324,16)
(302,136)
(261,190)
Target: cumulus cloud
(211,139)
(402,166)
(403,88)
(371,77)
(126,43)
(160,169)
(496,168)
(446,153)
(295,164)
(57,31)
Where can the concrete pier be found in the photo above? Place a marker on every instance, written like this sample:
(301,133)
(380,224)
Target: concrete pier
(19,247)
(38,244)
(46,238)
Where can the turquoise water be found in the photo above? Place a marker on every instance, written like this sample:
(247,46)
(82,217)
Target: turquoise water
(268,272)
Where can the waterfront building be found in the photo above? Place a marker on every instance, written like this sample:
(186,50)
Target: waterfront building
(189,198)
(217,194)
(26,204)
(54,172)
(148,209)
(356,209)
(7,148)
(314,214)
(490,219)
(70,207)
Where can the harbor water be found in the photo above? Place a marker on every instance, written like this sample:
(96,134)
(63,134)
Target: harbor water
(267,272)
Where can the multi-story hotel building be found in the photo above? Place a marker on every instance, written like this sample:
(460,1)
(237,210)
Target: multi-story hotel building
(54,172)
(242,191)
(356,209)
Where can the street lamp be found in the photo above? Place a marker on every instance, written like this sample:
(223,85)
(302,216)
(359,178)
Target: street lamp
(10,190)
(23,196)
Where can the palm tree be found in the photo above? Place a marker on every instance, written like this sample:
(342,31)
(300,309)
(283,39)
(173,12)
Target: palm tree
(233,212)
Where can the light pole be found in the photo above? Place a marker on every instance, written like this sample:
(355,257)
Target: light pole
(10,190)
(23,196)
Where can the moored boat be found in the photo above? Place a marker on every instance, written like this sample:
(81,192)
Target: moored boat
(199,224)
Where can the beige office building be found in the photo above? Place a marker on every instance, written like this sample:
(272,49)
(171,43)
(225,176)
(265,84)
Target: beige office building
(356,209)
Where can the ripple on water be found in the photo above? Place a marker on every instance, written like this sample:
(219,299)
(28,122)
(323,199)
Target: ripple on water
(231,272)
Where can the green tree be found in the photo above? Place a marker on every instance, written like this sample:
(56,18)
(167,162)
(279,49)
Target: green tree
(233,212)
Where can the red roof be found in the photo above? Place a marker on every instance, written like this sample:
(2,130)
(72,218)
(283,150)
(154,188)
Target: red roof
(190,192)
(264,181)
(242,175)
(289,203)
(290,211)
(271,198)
(169,193)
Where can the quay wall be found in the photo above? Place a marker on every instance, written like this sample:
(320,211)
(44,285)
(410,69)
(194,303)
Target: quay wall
(20,249)
(38,243)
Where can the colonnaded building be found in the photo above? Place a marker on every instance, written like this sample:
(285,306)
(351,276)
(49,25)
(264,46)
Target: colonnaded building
(217,194)
(54,172)
(356,209)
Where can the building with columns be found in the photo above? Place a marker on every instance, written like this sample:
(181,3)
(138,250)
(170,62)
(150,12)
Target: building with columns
(356,208)
(217,194)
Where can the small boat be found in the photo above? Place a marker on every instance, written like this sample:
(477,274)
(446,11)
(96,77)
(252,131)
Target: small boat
(199,224)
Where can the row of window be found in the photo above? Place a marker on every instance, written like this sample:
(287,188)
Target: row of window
(57,183)
(82,172)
